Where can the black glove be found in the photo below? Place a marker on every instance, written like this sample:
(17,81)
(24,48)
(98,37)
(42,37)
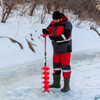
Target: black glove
(52,38)
(44,31)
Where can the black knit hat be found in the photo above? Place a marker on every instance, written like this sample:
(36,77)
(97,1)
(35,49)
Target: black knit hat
(57,15)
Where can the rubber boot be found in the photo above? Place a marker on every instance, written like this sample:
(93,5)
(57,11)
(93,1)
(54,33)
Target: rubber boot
(56,81)
(66,85)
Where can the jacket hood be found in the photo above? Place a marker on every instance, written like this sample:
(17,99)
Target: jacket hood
(64,18)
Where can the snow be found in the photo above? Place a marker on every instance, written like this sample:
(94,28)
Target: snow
(20,69)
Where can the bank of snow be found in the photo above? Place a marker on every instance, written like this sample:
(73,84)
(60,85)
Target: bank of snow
(21,28)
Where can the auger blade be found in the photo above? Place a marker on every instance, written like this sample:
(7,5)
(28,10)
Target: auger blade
(45,68)
(46,78)
(46,87)
(46,82)
(45,73)
(46,91)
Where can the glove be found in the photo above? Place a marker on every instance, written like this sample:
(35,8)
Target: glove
(52,38)
(44,31)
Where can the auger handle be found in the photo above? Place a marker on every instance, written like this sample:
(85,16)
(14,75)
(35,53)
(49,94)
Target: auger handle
(45,35)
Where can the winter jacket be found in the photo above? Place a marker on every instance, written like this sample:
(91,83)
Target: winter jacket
(62,33)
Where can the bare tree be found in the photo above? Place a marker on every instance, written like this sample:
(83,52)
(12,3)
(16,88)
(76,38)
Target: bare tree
(7,6)
(57,5)
(25,8)
(43,14)
(33,5)
(49,7)
(85,9)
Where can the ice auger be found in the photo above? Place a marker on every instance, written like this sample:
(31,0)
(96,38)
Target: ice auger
(45,68)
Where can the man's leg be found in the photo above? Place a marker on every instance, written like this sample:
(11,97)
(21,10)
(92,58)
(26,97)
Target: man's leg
(56,64)
(57,71)
(66,69)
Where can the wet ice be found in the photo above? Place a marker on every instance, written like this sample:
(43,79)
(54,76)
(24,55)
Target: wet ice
(24,82)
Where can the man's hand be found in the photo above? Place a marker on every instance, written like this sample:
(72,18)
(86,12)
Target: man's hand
(44,31)
(52,38)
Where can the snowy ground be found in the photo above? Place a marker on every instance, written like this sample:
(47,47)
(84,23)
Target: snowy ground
(24,82)
(20,28)
(20,70)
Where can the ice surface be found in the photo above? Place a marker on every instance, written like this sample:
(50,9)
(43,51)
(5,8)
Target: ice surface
(24,82)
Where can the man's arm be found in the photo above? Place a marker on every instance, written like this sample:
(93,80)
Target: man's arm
(46,31)
(66,36)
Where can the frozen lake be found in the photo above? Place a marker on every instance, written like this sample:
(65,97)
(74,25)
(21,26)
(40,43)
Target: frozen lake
(24,82)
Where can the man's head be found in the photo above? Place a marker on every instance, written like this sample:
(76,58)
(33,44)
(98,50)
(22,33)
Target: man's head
(57,16)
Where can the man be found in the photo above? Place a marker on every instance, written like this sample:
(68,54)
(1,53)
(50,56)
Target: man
(60,34)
